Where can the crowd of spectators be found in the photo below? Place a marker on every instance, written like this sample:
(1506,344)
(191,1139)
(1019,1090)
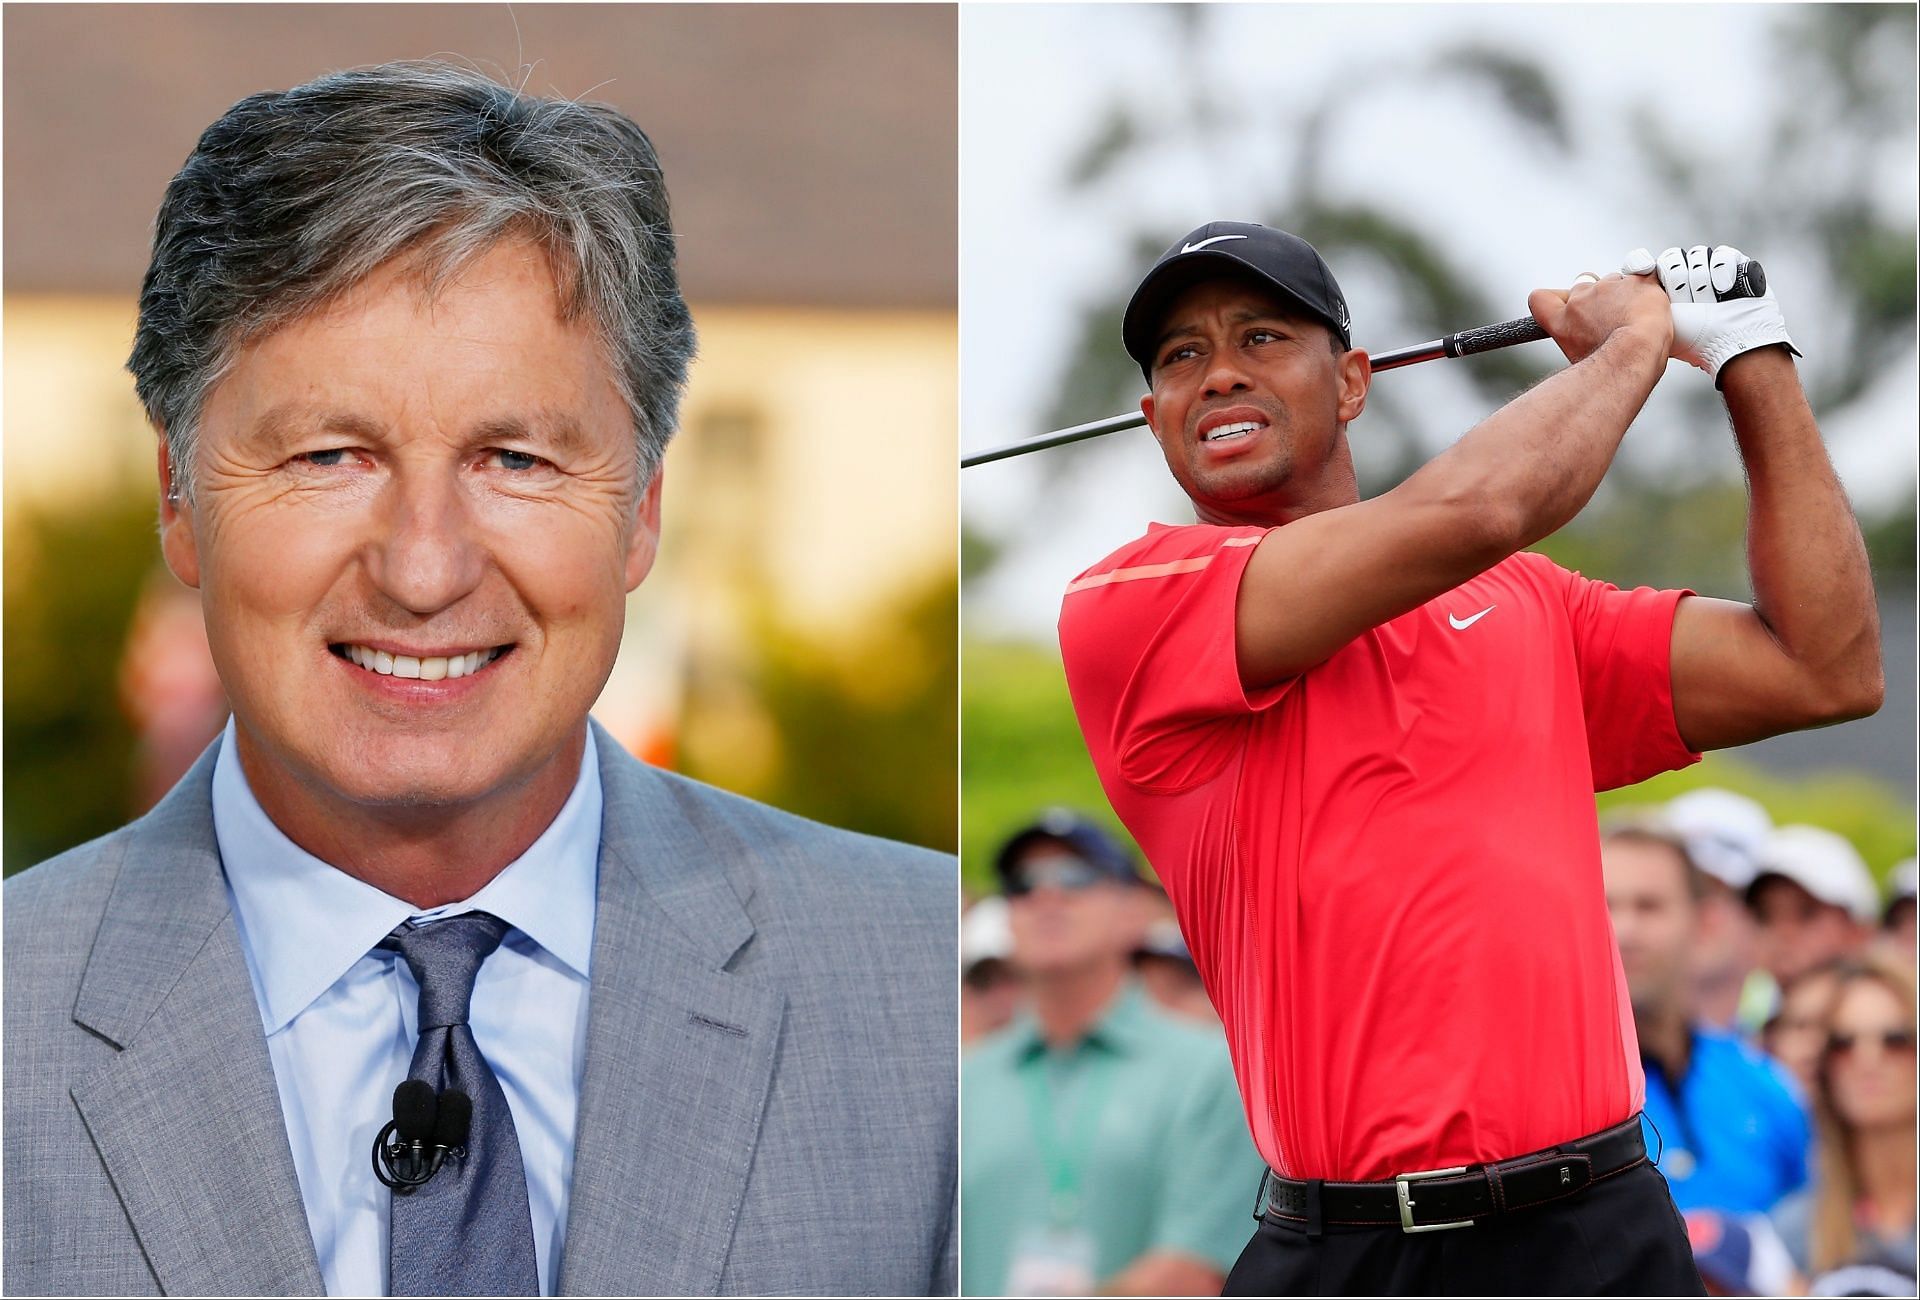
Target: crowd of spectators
(1104,1148)
(1772,990)
(1773,1000)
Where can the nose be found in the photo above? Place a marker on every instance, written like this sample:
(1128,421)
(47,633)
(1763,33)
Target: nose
(429,552)
(1225,373)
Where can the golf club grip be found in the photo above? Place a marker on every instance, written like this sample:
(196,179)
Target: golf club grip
(1750,281)
(1485,338)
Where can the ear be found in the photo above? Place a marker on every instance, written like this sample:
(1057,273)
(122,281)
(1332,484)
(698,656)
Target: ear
(644,542)
(177,542)
(1356,376)
(1146,409)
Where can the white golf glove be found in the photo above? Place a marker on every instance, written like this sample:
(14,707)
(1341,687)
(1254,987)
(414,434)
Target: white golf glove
(1710,329)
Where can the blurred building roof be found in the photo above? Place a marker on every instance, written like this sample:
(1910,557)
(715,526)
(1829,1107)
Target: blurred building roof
(773,121)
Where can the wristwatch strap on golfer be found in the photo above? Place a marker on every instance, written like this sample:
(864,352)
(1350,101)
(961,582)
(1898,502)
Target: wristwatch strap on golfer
(1418,1201)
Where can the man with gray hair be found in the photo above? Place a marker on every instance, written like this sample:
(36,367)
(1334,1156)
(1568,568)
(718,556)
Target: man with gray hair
(416,983)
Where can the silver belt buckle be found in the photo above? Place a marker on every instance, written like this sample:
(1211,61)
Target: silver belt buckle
(1404,1193)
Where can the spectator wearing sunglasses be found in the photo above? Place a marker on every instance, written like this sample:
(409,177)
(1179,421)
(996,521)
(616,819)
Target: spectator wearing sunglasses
(1104,1147)
(1860,1208)
(1796,1033)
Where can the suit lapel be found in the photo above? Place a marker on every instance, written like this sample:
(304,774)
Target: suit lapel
(679,1050)
(187,1118)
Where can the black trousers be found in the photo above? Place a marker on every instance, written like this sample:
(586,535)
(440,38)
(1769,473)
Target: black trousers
(1621,1236)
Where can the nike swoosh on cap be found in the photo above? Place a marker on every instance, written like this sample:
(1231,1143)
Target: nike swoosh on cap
(1188,248)
(1462,624)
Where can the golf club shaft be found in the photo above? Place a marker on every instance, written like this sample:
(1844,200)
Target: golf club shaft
(1750,281)
(1481,338)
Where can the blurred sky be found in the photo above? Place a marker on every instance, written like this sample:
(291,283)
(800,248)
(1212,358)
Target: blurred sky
(1035,81)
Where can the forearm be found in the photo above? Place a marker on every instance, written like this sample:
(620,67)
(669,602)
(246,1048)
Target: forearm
(1533,464)
(1811,583)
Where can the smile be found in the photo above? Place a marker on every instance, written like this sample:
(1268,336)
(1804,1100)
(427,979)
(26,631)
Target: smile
(431,668)
(1238,429)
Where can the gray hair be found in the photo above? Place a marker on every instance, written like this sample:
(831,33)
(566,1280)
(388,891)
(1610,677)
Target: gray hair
(295,196)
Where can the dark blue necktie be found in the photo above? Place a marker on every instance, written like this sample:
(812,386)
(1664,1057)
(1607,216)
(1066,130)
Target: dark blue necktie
(468,1231)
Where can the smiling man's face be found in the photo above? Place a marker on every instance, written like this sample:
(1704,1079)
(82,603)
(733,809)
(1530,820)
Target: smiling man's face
(414,528)
(1248,400)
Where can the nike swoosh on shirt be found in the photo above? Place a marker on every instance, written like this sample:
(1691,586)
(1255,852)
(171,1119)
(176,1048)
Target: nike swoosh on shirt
(1188,248)
(1462,624)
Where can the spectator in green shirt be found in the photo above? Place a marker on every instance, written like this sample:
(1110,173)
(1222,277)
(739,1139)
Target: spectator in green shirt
(1103,1143)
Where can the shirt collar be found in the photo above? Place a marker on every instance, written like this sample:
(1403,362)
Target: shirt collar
(304,923)
(1120,1028)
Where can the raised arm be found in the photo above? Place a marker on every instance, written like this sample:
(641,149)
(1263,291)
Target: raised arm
(1315,584)
(1807,650)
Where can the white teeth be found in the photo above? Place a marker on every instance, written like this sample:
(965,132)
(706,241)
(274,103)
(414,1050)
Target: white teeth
(431,669)
(1231,430)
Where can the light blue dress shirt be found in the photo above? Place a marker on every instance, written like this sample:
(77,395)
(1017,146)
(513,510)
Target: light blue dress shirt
(340,1016)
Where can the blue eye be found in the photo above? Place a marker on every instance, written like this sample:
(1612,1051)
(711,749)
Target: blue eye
(326,459)
(516,460)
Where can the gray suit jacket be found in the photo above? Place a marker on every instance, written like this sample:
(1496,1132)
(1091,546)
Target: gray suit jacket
(768,1105)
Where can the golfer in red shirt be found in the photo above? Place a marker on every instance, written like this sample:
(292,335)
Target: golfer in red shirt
(1359,742)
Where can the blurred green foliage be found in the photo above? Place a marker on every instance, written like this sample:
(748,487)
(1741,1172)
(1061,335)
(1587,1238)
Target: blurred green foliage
(1023,752)
(868,738)
(71,584)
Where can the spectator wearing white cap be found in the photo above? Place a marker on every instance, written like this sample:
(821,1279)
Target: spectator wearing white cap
(1724,833)
(1813,899)
(1897,925)
(989,984)
(1730,1127)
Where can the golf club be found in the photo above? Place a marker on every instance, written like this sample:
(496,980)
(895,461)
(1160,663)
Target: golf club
(1750,283)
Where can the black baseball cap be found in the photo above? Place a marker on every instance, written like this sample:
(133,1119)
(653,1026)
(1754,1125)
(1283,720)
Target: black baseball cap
(1284,263)
(1079,833)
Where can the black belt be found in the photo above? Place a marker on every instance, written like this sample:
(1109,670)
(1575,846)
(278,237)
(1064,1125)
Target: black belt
(1453,1198)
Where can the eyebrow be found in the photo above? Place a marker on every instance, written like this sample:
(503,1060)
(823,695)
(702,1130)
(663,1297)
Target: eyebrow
(561,433)
(1241,316)
(286,424)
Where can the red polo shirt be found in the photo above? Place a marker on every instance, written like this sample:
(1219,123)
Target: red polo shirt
(1388,867)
